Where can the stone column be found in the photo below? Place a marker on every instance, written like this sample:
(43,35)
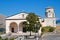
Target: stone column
(18,28)
(7,27)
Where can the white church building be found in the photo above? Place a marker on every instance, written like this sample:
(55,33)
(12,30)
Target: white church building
(13,23)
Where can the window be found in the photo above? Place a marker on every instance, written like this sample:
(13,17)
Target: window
(49,11)
(42,20)
(23,15)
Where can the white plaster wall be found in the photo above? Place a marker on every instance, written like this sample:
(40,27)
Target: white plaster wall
(48,22)
(7,26)
(20,28)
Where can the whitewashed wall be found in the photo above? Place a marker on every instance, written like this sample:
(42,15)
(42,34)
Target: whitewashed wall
(48,22)
(18,16)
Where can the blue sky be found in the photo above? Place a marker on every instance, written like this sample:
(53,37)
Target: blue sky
(10,7)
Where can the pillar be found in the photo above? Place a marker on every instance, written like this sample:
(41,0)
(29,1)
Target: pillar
(18,27)
(7,27)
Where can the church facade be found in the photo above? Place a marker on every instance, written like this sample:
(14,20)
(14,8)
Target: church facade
(13,23)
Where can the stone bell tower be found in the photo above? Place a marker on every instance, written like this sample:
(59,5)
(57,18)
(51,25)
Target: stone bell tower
(49,12)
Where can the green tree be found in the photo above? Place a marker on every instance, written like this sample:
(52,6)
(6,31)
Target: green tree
(33,19)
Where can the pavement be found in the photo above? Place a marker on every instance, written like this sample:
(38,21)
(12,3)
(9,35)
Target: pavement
(51,36)
(47,36)
(29,39)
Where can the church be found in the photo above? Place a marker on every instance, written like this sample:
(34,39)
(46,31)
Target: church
(13,23)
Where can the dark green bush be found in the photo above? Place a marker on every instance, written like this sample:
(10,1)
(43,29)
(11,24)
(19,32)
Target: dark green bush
(6,39)
(48,29)
(45,29)
(11,38)
(51,29)
(0,38)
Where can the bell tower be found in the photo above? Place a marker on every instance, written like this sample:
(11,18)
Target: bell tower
(49,12)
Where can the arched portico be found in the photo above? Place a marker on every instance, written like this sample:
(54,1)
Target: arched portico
(13,27)
(17,18)
(21,26)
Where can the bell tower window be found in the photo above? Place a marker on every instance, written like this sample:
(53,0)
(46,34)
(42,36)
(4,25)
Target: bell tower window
(23,15)
(49,11)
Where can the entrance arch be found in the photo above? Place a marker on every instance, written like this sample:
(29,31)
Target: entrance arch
(22,26)
(13,27)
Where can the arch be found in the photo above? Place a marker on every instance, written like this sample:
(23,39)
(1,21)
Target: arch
(13,27)
(21,26)
(13,24)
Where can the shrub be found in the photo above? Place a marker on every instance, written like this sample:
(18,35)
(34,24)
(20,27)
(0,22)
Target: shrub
(6,39)
(11,38)
(47,29)
(0,38)
(51,29)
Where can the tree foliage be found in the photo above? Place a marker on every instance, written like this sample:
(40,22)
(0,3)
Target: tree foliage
(33,19)
(29,25)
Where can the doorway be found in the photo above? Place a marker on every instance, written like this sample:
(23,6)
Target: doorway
(12,30)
